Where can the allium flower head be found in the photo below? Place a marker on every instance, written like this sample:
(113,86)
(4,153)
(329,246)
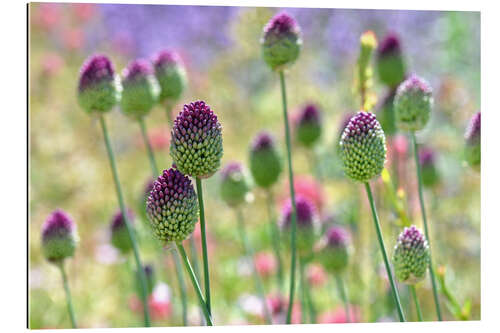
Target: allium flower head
(308,125)
(196,145)
(171,75)
(411,256)
(59,237)
(172,206)
(140,89)
(306,220)
(281,41)
(413,103)
(473,141)
(266,163)
(334,249)
(427,160)
(391,66)
(362,147)
(120,237)
(99,87)
(235,184)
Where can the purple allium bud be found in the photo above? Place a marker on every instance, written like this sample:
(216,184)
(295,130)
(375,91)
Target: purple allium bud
(411,256)
(334,249)
(427,160)
(308,125)
(307,221)
(413,104)
(281,41)
(196,144)
(266,163)
(99,87)
(140,89)
(59,236)
(235,184)
(362,147)
(473,141)
(171,75)
(385,113)
(149,272)
(172,207)
(391,66)
(120,237)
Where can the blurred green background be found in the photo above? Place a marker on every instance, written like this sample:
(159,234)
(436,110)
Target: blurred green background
(221,50)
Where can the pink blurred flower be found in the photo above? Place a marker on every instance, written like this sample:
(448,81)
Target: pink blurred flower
(73,39)
(316,275)
(308,187)
(159,303)
(47,15)
(51,64)
(338,315)
(265,263)
(159,137)
(278,306)
(84,11)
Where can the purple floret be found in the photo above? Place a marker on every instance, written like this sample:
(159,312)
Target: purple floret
(336,237)
(263,140)
(305,212)
(426,156)
(58,224)
(280,24)
(230,168)
(137,69)
(360,125)
(473,132)
(166,58)
(117,221)
(310,114)
(95,70)
(390,45)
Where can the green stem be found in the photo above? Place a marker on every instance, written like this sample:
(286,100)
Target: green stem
(303,302)
(182,288)
(196,285)
(152,161)
(121,202)
(307,292)
(417,304)
(343,295)
(275,236)
(426,227)
(384,253)
(196,266)
(199,192)
(292,195)
(249,253)
(68,295)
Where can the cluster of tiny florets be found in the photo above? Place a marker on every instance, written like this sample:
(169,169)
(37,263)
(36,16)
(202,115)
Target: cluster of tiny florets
(120,237)
(266,162)
(308,125)
(140,89)
(362,147)
(235,184)
(411,256)
(334,249)
(171,75)
(172,206)
(306,220)
(281,42)
(196,144)
(412,104)
(473,141)
(59,236)
(98,88)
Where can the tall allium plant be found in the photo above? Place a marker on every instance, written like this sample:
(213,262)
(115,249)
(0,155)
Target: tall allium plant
(59,240)
(473,142)
(363,153)
(307,227)
(139,95)
(98,92)
(368,43)
(172,208)
(196,149)
(171,75)
(266,165)
(281,43)
(412,107)
(333,252)
(411,258)
(235,187)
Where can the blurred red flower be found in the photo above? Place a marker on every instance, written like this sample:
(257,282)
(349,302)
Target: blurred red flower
(265,263)
(338,315)
(308,187)
(316,275)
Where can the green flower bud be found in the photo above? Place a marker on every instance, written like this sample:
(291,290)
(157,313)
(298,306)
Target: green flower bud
(411,256)
(413,104)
